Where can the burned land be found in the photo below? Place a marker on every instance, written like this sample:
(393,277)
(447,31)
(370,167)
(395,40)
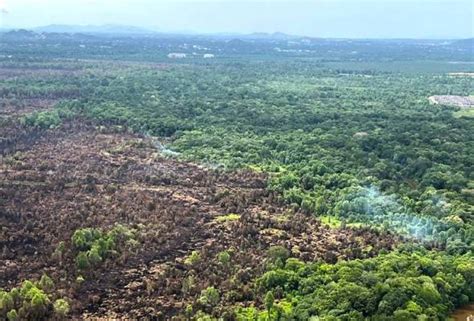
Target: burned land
(77,176)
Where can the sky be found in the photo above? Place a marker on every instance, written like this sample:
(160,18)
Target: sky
(317,18)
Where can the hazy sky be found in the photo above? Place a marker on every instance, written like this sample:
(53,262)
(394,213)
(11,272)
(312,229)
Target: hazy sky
(320,18)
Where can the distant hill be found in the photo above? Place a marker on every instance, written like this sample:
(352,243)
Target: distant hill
(464,43)
(90,29)
(124,30)
(20,34)
(273,36)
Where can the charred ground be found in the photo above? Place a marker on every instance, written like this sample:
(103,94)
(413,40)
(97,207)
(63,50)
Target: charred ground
(78,176)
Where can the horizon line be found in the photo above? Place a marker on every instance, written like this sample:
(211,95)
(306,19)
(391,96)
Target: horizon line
(151,31)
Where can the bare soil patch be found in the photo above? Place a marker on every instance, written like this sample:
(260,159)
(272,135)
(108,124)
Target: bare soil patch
(451,100)
(464,313)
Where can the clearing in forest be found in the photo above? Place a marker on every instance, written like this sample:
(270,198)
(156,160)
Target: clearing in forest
(461,74)
(452,100)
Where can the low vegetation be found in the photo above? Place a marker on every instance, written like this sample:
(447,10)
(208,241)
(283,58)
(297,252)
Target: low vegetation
(32,301)
(93,246)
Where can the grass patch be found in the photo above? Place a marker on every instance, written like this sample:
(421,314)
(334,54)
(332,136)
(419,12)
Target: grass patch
(227,218)
(332,221)
(467,113)
(335,222)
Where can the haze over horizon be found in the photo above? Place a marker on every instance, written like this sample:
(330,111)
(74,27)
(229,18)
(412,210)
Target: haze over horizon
(322,18)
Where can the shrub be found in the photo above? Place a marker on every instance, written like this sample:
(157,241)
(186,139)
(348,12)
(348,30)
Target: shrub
(82,262)
(32,301)
(93,246)
(228,218)
(12,315)
(6,301)
(46,283)
(224,257)
(209,297)
(192,259)
(269,300)
(38,298)
(61,307)
(188,284)
(59,251)
(43,119)
(275,278)
(82,239)
(277,252)
(79,279)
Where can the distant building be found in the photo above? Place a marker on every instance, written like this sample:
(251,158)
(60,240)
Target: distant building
(207,56)
(176,55)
